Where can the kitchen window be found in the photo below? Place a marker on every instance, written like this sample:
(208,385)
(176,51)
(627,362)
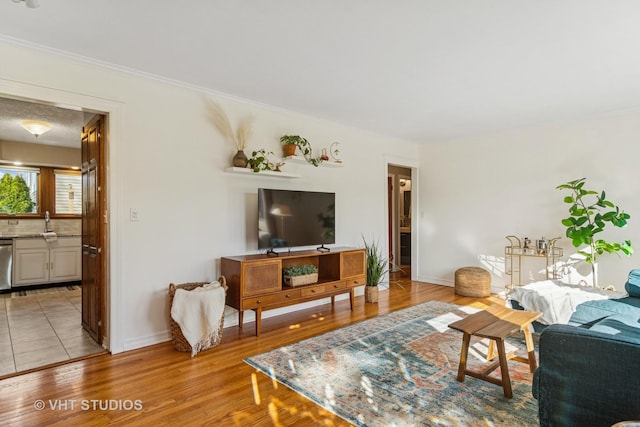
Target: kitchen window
(19,190)
(27,192)
(68,196)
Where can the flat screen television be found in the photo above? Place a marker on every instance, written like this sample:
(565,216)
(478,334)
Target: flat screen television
(288,218)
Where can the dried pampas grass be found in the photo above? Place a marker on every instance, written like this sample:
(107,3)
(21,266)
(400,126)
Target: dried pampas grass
(221,121)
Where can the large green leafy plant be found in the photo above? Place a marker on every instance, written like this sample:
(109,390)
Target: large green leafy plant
(590,213)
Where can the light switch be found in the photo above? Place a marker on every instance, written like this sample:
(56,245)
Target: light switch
(134,215)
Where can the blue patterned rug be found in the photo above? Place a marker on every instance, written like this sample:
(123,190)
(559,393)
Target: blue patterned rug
(399,369)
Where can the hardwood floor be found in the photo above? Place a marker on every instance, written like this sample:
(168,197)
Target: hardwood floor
(159,386)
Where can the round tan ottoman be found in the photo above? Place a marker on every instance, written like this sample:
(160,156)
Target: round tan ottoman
(472,282)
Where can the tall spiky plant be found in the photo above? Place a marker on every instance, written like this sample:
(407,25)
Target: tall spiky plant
(376,263)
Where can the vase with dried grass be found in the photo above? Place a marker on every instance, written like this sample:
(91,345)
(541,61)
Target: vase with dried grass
(238,138)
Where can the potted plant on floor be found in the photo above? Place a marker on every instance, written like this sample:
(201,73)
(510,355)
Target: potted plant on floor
(588,218)
(376,267)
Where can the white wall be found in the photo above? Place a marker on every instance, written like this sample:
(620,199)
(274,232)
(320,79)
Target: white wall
(476,191)
(167,161)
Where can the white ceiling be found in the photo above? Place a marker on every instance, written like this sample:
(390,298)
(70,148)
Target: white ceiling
(424,70)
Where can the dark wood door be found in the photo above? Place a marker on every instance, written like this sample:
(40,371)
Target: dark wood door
(92,227)
(390,216)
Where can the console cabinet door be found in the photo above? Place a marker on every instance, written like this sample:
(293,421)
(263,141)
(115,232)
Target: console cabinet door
(261,277)
(352,264)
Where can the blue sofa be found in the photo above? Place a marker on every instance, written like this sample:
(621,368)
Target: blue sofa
(588,373)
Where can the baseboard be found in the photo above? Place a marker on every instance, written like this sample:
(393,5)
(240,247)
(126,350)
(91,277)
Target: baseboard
(139,342)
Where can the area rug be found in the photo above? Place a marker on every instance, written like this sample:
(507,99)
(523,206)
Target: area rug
(399,369)
(57,289)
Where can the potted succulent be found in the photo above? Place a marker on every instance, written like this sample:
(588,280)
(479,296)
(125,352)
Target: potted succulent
(297,275)
(590,212)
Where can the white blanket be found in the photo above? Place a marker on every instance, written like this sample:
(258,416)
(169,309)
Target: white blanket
(198,313)
(557,301)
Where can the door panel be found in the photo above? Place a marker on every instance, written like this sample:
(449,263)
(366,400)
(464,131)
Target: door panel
(92,228)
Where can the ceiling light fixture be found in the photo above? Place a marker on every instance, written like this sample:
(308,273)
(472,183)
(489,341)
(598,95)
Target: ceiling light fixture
(31,4)
(35,127)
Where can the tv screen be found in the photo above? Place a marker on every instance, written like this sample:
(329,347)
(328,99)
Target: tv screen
(295,218)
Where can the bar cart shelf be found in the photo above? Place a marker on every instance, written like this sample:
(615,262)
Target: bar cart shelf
(516,251)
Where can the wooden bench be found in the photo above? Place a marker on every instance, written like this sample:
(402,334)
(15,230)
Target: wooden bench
(496,323)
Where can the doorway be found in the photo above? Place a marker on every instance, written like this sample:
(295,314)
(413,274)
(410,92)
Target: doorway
(63,323)
(400,215)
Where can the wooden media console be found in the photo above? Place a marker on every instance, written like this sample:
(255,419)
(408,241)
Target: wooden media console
(256,283)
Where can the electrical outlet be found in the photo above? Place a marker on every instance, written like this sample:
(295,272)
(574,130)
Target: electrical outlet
(134,215)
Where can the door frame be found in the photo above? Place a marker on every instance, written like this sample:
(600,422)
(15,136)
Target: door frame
(415,231)
(113,164)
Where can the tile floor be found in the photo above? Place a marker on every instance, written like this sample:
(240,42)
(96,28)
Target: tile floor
(42,328)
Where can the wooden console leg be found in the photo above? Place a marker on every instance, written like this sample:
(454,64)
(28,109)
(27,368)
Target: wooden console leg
(258,320)
(240,318)
(352,295)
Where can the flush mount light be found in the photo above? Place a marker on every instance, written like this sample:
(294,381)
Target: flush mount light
(31,4)
(35,127)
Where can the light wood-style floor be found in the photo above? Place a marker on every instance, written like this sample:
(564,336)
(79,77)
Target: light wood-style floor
(158,386)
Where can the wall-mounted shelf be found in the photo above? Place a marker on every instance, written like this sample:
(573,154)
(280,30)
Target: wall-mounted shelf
(247,171)
(302,160)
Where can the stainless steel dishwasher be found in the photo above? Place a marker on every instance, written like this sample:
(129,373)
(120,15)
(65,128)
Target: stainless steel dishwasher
(6,263)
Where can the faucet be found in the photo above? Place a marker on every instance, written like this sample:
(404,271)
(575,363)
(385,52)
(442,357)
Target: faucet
(46,221)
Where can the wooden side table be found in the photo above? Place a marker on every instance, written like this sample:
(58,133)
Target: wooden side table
(496,323)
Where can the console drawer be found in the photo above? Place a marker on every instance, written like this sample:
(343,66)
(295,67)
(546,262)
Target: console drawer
(313,291)
(356,281)
(271,299)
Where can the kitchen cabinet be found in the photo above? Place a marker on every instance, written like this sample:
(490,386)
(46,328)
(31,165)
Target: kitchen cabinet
(37,261)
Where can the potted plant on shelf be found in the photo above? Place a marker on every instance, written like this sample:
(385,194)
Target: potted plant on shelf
(302,144)
(297,275)
(587,219)
(259,161)
(290,143)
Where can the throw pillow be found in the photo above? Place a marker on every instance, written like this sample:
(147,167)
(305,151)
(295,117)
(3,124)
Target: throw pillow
(633,283)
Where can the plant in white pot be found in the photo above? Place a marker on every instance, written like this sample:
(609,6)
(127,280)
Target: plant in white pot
(590,212)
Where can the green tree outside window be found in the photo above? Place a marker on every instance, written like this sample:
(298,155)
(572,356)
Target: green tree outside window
(15,195)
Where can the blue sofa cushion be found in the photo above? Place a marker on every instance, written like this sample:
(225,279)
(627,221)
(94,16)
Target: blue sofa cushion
(620,325)
(633,284)
(590,312)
